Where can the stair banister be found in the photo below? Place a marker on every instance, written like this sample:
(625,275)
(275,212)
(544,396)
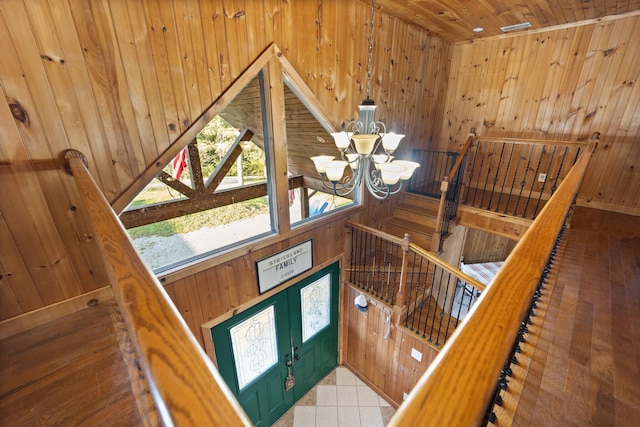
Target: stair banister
(460,382)
(187,389)
(436,242)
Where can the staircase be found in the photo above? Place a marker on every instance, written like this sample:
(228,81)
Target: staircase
(416,215)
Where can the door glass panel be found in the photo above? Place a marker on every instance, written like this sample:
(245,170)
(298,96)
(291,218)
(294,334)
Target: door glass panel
(254,344)
(315,301)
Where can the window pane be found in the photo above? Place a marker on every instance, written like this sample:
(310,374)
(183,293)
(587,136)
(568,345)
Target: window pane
(215,194)
(306,137)
(315,306)
(255,348)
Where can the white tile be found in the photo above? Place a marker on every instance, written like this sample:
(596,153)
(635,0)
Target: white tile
(348,416)
(326,416)
(370,417)
(304,416)
(347,395)
(326,395)
(345,376)
(360,382)
(383,402)
(367,397)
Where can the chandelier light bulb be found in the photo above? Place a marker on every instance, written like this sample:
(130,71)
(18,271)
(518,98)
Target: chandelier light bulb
(409,168)
(334,169)
(390,141)
(341,139)
(364,142)
(378,159)
(391,173)
(319,160)
(352,158)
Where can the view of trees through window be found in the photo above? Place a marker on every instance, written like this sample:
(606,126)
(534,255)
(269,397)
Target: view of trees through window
(161,243)
(219,192)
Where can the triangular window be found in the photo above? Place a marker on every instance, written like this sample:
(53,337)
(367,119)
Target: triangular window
(221,189)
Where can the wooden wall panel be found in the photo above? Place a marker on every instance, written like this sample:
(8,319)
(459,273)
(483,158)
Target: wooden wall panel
(481,246)
(385,363)
(121,81)
(220,290)
(561,84)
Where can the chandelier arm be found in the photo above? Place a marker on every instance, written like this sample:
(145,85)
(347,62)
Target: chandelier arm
(347,186)
(376,186)
(378,192)
(326,183)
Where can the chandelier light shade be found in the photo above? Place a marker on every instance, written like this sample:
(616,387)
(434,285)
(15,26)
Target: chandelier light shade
(367,147)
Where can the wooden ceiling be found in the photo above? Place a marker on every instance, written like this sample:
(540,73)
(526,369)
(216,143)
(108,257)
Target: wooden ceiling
(454,20)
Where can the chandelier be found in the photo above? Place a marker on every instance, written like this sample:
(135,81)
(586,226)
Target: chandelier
(367,147)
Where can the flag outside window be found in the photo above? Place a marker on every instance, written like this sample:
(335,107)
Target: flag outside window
(179,162)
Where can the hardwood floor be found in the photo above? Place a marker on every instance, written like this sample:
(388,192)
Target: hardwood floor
(585,369)
(66,372)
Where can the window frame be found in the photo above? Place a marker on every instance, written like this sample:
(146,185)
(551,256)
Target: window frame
(273,69)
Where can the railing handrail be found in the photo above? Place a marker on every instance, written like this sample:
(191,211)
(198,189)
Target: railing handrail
(530,141)
(448,267)
(186,387)
(465,149)
(459,384)
(444,188)
(407,247)
(376,232)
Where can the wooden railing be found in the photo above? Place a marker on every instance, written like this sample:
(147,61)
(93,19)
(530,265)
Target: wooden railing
(449,194)
(459,385)
(186,387)
(429,295)
(434,166)
(377,264)
(438,297)
(516,177)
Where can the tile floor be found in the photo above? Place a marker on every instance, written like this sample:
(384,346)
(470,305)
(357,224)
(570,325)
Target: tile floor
(340,399)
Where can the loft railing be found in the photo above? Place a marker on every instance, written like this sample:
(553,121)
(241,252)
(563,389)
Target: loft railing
(430,295)
(506,373)
(186,387)
(516,176)
(460,384)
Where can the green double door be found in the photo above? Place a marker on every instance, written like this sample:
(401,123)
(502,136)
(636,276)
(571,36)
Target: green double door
(273,353)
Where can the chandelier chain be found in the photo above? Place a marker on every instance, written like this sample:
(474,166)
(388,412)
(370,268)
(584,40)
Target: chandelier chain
(359,145)
(370,62)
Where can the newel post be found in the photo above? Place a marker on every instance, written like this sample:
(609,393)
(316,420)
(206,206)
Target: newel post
(437,234)
(401,296)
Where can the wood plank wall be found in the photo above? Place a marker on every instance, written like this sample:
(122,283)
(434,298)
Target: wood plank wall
(481,246)
(121,81)
(385,363)
(204,296)
(560,84)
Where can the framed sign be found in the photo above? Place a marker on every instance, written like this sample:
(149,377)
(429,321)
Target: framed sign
(285,265)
